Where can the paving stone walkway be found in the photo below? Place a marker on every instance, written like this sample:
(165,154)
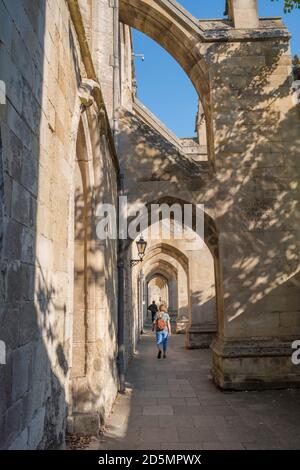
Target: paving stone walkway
(172,404)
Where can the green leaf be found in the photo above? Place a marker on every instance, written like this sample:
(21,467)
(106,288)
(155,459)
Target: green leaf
(289,5)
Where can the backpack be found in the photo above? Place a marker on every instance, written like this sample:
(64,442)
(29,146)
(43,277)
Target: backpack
(160,324)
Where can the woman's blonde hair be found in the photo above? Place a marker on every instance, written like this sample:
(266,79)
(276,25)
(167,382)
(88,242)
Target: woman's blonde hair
(163,307)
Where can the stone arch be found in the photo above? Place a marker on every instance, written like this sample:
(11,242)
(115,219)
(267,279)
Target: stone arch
(177,31)
(84,393)
(160,281)
(170,273)
(81,240)
(211,232)
(196,316)
(158,249)
(171,251)
(211,239)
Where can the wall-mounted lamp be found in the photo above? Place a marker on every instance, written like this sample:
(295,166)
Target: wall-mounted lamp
(141,247)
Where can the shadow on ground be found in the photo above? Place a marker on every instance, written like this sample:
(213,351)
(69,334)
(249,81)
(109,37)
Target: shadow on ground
(173,404)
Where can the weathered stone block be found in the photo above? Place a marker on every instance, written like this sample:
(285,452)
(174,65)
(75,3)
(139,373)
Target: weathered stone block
(6,28)
(2,430)
(36,429)
(28,245)
(200,336)
(78,368)
(29,328)
(31,108)
(254,365)
(12,240)
(13,422)
(21,57)
(10,326)
(13,280)
(20,204)
(41,367)
(21,443)
(13,150)
(7,201)
(21,362)
(34,400)
(87,424)
(19,281)
(18,126)
(6,385)
(29,173)
(12,78)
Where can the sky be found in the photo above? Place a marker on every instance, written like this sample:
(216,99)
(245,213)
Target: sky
(162,84)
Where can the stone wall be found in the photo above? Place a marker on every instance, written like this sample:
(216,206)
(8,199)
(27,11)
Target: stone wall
(40,62)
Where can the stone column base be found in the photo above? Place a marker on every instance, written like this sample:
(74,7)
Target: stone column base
(181,325)
(86,424)
(254,364)
(200,336)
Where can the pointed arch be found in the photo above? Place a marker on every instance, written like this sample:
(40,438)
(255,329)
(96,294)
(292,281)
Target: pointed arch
(211,239)
(177,31)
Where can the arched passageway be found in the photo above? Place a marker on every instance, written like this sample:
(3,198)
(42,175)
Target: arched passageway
(158,289)
(165,258)
(194,275)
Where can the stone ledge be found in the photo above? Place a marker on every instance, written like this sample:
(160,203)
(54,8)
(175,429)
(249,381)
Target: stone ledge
(243,382)
(252,347)
(254,364)
(223,30)
(200,336)
(239,35)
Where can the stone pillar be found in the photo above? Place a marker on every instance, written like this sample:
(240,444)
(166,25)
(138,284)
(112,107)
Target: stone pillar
(257,213)
(243,13)
(141,306)
(203,322)
(183,313)
(144,301)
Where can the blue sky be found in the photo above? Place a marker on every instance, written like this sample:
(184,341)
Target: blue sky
(164,87)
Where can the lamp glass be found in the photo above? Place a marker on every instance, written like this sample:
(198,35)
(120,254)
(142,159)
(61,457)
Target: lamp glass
(141,246)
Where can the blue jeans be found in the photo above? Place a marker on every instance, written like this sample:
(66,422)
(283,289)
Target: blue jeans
(162,339)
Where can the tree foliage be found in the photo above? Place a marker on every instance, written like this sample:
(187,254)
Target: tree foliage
(296,67)
(289,5)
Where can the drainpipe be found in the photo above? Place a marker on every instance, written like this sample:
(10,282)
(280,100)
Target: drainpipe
(121,299)
(116,67)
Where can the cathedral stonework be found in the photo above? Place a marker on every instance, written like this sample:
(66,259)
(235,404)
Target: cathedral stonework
(74,136)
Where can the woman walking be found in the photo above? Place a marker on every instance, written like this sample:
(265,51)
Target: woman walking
(162,327)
